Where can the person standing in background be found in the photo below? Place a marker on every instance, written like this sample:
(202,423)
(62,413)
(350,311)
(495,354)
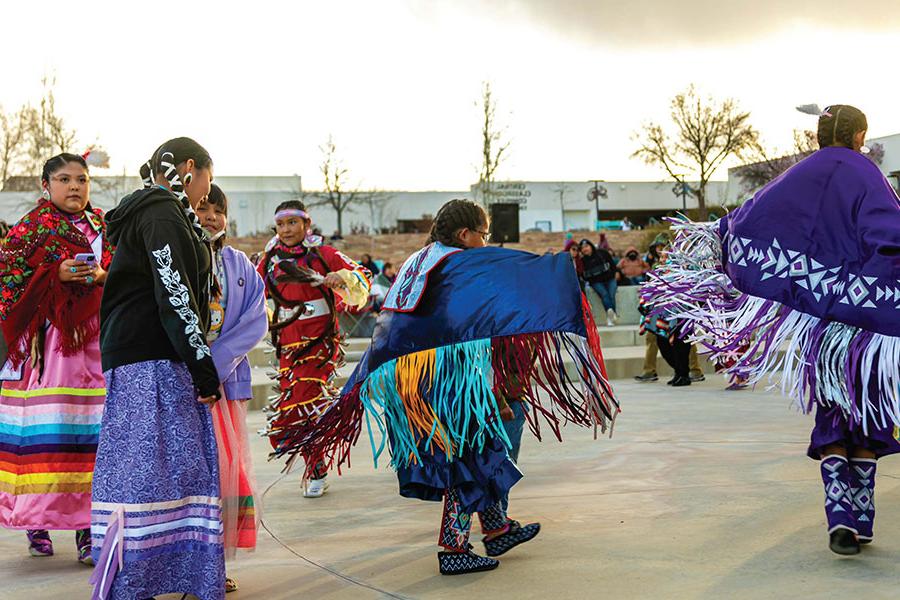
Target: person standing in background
(238,322)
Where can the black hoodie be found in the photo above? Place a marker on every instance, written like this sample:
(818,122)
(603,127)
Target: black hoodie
(599,266)
(156,297)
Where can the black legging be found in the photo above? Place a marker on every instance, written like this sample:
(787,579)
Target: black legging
(676,353)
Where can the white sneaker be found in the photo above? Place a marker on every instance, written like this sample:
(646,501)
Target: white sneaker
(611,317)
(609,323)
(314,488)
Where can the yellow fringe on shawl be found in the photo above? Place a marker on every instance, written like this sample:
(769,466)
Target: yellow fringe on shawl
(411,371)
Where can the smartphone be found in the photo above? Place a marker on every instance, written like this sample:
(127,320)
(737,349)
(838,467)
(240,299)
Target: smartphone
(87,257)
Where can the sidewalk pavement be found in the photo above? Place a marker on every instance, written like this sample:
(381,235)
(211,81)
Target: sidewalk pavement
(700,493)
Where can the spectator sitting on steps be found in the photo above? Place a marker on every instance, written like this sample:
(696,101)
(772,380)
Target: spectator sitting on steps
(600,274)
(368,263)
(633,268)
(574,251)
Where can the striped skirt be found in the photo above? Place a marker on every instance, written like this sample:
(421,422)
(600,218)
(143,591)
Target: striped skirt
(49,425)
(156,514)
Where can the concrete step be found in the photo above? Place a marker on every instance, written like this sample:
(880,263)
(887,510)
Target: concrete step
(622,362)
(610,337)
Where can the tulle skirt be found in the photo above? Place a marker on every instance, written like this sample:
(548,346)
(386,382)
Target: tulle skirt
(240,497)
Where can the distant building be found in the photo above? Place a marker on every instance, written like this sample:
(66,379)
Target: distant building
(569,205)
(252,200)
(544,205)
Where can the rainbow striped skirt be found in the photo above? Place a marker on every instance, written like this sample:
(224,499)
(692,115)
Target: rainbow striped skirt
(49,427)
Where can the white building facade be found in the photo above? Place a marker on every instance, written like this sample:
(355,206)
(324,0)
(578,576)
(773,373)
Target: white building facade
(543,205)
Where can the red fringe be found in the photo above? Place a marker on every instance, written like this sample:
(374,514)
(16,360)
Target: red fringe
(593,336)
(526,364)
(331,436)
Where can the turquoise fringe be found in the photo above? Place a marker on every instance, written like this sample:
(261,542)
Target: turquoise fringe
(460,393)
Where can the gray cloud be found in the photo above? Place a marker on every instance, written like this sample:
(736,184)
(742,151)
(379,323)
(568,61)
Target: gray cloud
(689,22)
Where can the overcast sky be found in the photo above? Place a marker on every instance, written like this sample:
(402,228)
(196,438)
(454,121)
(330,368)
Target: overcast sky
(262,84)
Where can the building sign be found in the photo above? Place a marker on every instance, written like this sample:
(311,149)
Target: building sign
(513,192)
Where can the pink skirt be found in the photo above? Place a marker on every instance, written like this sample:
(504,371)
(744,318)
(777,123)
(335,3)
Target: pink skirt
(49,427)
(240,498)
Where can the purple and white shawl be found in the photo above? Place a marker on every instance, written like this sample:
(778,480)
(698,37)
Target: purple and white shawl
(800,285)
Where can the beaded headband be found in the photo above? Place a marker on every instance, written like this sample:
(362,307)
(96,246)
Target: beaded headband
(292,212)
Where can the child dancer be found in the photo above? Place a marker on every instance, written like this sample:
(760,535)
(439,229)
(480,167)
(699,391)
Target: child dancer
(809,299)
(238,322)
(427,381)
(302,277)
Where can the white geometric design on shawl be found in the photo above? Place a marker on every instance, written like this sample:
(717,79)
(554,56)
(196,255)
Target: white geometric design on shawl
(812,360)
(776,260)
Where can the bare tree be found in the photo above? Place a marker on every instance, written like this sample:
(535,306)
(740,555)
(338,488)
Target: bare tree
(378,204)
(12,130)
(30,137)
(494,148)
(335,193)
(706,133)
(47,133)
(765,165)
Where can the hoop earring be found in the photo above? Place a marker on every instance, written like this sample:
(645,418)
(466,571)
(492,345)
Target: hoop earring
(188,178)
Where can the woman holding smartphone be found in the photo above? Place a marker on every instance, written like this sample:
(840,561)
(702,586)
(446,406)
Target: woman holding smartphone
(52,266)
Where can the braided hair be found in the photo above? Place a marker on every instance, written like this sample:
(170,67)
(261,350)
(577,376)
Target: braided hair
(453,216)
(838,124)
(166,160)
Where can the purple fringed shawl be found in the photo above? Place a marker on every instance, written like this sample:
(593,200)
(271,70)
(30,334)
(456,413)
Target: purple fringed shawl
(824,239)
(800,284)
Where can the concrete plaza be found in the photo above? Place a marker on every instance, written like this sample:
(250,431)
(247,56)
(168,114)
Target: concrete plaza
(700,493)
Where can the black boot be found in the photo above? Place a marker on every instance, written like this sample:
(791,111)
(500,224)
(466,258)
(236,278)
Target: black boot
(515,535)
(459,563)
(843,541)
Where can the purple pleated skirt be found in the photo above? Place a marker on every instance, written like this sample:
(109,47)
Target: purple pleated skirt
(832,427)
(156,488)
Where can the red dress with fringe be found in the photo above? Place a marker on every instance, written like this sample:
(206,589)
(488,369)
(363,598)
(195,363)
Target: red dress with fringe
(305,334)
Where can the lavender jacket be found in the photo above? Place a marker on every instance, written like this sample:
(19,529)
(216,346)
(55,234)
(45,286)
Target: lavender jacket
(246,324)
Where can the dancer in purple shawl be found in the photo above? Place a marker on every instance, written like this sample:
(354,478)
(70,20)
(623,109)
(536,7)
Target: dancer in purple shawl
(801,284)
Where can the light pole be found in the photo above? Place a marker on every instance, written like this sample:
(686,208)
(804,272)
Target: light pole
(595,193)
(562,190)
(681,188)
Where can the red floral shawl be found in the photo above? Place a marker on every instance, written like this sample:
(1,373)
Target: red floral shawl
(30,290)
